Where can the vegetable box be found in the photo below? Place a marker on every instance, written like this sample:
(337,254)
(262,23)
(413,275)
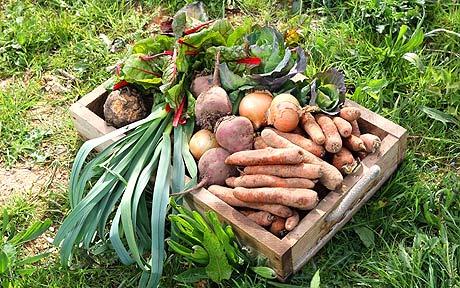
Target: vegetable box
(318,226)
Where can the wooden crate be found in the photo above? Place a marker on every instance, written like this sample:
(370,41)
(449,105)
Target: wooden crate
(289,254)
(88,116)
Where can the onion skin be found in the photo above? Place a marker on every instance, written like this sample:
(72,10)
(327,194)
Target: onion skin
(201,142)
(284,116)
(284,112)
(254,106)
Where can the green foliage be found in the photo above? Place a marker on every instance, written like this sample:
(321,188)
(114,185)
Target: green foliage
(13,264)
(202,241)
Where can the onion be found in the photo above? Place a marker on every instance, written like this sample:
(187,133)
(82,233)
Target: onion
(201,142)
(254,106)
(284,112)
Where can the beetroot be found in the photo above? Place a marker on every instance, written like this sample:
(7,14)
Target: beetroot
(201,84)
(213,169)
(235,133)
(212,104)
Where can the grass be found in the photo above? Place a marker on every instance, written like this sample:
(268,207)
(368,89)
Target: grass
(406,236)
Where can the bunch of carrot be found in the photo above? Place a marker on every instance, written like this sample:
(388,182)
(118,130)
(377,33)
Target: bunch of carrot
(341,136)
(277,178)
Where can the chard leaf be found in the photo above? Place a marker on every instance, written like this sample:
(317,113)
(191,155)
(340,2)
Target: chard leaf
(190,104)
(229,80)
(206,36)
(237,35)
(153,45)
(174,94)
(227,54)
(145,73)
(170,72)
(189,16)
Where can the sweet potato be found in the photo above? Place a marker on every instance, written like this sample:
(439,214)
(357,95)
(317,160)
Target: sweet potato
(350,113)
(343,126)
(292,221)
(371,141)
(331,179)
(304,199)
(259,143)
(235,133)
(267,156)
(226,194)
(260,180)
(355,128)
(312,128)
(344,161)
(333,141)
(354,143)
(263,218)
(304,170)
(278,227)
(303,142)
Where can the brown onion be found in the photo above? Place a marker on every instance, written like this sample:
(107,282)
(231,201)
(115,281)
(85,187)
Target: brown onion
(254,106)
(284,113)
(201,142)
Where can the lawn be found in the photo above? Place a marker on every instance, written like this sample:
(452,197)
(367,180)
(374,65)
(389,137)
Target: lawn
(401,59)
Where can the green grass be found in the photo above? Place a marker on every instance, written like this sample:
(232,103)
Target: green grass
(406,236)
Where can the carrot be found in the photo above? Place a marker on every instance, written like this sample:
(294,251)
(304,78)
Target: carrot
(263,218)
(226,194)
(299,131)
(331,179)
(371,141)
(333,141)
(343,126)
(303,142)
(354,143)
(344,161)
(259,143)
(304,170)
(278,227)
(292,221)
(355,128)
(304,199)
(350,113)
(267,156)
(260,180)
(312,128)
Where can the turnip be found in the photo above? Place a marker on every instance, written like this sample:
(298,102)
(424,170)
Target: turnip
(212,104)
(235,133)
(123,107)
